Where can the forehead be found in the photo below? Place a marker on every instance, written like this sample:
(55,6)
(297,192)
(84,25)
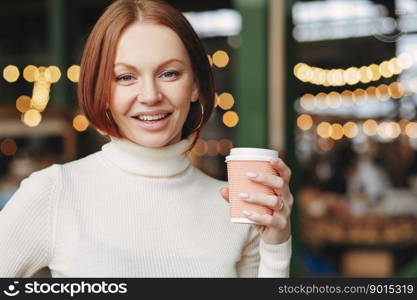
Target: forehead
(147,44)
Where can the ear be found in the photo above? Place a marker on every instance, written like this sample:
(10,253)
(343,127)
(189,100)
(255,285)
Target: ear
(195,94)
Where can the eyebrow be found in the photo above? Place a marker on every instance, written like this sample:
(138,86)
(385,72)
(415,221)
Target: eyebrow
(160,65)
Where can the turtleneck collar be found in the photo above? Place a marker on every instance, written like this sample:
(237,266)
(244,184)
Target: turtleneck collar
(156,162)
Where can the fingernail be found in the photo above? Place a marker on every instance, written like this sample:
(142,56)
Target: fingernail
(246,213)
(244,195)
(252,174)
(274,160)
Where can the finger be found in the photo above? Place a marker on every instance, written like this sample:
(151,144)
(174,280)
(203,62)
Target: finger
(282,169)
(271,180)
(270,201)
(276,221)
(224,191)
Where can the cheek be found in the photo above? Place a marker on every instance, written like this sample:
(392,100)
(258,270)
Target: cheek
(119,100)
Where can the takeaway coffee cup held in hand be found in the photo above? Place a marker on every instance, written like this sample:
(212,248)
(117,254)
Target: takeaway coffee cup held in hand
(239,162)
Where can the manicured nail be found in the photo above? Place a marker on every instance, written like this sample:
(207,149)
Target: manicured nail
(274,160)
(252,174)
(246,213)
(244,195)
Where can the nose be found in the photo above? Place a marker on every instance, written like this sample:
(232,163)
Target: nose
(149,93)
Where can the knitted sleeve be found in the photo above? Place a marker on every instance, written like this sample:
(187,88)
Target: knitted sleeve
(260,259)
(26,225)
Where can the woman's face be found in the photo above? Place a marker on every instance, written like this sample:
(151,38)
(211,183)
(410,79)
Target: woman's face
(153,79)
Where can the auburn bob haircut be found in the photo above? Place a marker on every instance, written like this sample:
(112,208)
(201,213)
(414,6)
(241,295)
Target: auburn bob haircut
(96,69)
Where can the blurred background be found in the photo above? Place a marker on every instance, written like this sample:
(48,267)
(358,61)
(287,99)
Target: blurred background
(330,84)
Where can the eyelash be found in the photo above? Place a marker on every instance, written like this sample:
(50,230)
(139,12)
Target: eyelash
(174,73)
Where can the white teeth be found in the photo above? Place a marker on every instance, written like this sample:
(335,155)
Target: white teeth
(152,118)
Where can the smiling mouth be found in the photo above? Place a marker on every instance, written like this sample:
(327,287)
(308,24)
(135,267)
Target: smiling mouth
(151,120)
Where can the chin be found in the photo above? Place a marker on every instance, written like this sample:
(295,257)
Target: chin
(149,142)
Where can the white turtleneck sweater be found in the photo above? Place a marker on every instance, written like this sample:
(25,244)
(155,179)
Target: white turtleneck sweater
(130,211)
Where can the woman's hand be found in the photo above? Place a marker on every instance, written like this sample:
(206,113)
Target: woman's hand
(275,228)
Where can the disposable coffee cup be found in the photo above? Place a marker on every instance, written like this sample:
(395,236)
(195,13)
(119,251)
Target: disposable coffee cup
(239,162)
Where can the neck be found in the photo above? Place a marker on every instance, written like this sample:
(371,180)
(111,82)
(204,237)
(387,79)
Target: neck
(154,162)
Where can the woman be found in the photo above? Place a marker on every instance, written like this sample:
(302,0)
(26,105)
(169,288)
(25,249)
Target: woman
(138,207)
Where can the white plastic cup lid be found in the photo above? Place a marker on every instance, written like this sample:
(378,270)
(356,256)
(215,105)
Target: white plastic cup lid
(241,153)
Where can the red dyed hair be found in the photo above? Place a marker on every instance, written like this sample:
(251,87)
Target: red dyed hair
(96,69)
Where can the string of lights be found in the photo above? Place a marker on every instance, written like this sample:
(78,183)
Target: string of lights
(350,129)
(354,75)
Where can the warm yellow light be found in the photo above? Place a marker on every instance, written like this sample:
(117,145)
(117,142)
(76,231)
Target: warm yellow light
(334,100)
(11,73)
(23,103)
(370,127)
(224,146)
(403,123)
(384,69)
(320,76)
(337,131)
(371,92)
(73,73)
(220,59)
(226,101)
(52,74)
(350,129)
(395,130)
(297,68)
(338,77)
(40,95)
(411,130)
(29,73)
(359,96)
(230,118)
(80,123)
(321,100)
(324,129)
(307,102)
(8,147)
(351,75)
(31,118)
(396,90)
(382,129)
(394,66)
(382,92)
(376,75)
(304,122)
(347,98)
(303,72)
(200,148)
(212,148)
(365,74)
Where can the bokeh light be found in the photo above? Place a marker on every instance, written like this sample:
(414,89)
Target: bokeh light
(8,147)
(73,73)
(230,118)
(220,59)
(80,123)
(31,118)
(11,73)
(23,103)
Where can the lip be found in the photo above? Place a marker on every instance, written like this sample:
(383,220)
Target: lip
(152,112)
(153,125)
